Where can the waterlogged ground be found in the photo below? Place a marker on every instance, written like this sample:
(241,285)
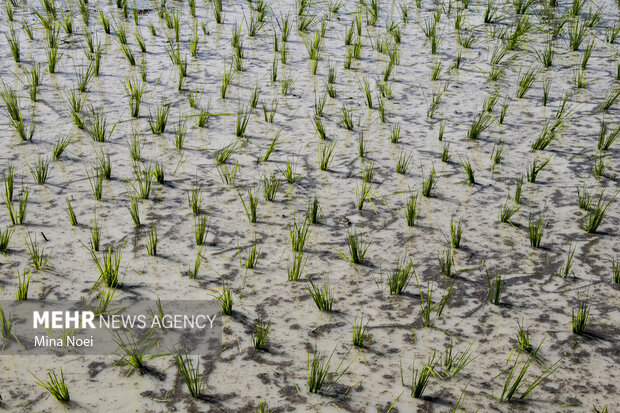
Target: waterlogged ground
(377,377)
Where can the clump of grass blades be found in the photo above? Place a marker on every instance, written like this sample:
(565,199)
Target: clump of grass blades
(319,371)
(495,287)
(479,125)
(453,363)
(536,229)
(326,154)
(323,297)
(259,332)
(526,81)
(132,350)
(243,117)
(223,154)
(95,236)
(604,140)
(615,271)
(299,235)
(97,127)
(404,163)
(108,266)
(360,337)
(6,324)
(456,232)
(226,300)
(158,123)
(72,218)
(21,288)
(60,146)
(446,262)
(40,172)
(5,238)
(55,386)
(468,170)
(313,211)
(270,187)
(579,318)
(192,272)
(36,252)
(193,378)
(507,211)
(429,184)
(411,209)
(362,193)
(151,241)
(597,213)
(200,229)
(250,257)
(514,380)
(398,279)
(610,97)
(564,270)
(534,168)
(194,199)
(251,206)
(296,266)
(421,376)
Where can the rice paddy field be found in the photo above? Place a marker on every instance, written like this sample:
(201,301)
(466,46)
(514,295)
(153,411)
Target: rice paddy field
(399,206)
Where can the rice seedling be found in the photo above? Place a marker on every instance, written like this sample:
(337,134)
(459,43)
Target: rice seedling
(52,58)
(468,170)
(610,97)
(132,350)
(326,154)
(577,33)
(456,232)
(596,214)
(5,238)
(250,207)
(564,270)
(151,241)
(446,262)
(76,103)
(72,218)
(395,133)
(362,193)
(194,199)
(97,126)
(507,211)
(40,172)
(134,211)
(479,125)
(323,296)
(158,123)
(421,376)
(12,40)
(518,189)
(368,172)
(192,271)
(523,338)
(454,363)
(6,324)
(495,287)
(193,378)
(584,198)
(606,140)
(60,146)
(526,81)
(536,229)
(514,379)
(144,182)
(134,90)
(579,318)
(399,278)
(270,113)
(615,271)
(298,235)
(243,116)
(37,253)
(603,409)
(360,336)
(201,229)
(442,130)
(55,386)
(546,88)
(598,169)
(226,300)
(404,163)
(33,78)
(272,146)
(534,168)
(612,33)
(259,332)
(346,117)
(21,287)
(546,56)
(290,173)
(429,184)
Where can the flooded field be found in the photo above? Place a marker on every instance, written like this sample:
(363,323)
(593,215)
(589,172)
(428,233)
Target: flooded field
(401,206)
